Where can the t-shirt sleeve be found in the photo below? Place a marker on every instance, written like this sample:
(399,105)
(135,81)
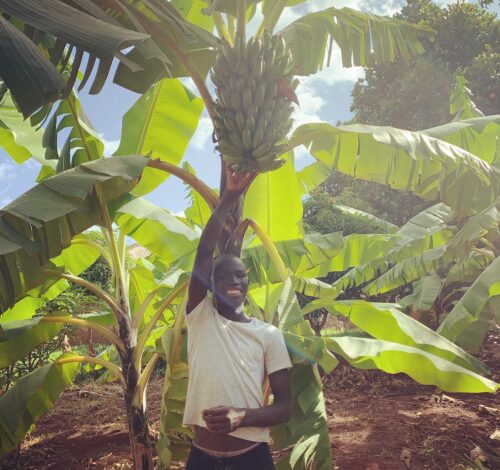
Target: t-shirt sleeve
(276,357)
(199,312)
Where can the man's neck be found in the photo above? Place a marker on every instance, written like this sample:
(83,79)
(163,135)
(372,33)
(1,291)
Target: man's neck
(237,314)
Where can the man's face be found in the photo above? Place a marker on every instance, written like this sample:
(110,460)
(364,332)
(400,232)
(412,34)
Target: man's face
(230,282)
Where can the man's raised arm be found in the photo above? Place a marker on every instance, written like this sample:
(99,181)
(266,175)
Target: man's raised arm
(199,283)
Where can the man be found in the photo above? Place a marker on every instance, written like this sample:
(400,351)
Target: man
(230,355)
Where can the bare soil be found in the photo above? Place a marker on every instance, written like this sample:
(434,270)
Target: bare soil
(374,420)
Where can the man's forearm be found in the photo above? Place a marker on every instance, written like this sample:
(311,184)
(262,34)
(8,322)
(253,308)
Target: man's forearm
(267,416)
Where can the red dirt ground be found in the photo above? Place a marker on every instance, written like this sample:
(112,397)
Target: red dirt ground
(373,418)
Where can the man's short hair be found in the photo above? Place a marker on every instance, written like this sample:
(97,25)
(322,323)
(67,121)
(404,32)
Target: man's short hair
(221,259)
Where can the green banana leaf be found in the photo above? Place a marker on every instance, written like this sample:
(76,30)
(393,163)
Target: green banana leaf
(469,268)
(425,293)
(386,322)
(199,211)
(31,397)
(404,160)
(173,42)
(82,143)
(167,108)
(18,338)
(476,227)
(266,198)
(365,216)
(312,175)
(309,419)
(74,259)
(470,308)
(363,39)
(423,232)
(461,104)
(191,10)
(421,366)
(17,136)
(32,79)
(476,135)
(39,224)
(164,234)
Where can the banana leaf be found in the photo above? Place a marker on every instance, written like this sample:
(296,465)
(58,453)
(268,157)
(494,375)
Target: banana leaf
(363,39)
(31,397)
(167,108)
(39,224)
(470,308)
(423,367)
(410,161)
(386,322)
(30,76)
(18,137)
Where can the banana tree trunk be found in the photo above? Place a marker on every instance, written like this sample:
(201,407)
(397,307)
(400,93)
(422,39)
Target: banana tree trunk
(137,419)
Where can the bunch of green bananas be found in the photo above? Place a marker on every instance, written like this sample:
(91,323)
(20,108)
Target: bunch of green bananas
(254,89)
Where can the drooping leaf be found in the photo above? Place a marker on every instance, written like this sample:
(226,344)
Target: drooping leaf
(167,108)
(365,216)
(82,142)
(199,211)
(461,104)
(308,418)
(363,38)
(30,76)
(470,308)
(476,135)
(421,366)
(404,160)
(425,293)
(191,10)
(17,136)
(31,397)
(162,233)
(427,230)
(386,322)
(39,224)
(18,338)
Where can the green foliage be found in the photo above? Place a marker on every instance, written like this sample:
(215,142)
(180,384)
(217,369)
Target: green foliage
(467,42)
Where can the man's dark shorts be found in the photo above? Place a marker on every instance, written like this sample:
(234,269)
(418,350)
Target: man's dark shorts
(257,458)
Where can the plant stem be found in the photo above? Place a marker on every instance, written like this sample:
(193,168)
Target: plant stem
(231,26)
(242,21)
(269,22)
(270,248)
(149,327)
(205,192)
(121,287)
(94,360)
(101,293)
(139,314)
(144,379)
(102,330)
(221,27)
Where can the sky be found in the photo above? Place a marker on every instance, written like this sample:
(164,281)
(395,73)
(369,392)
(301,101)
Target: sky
(326,97)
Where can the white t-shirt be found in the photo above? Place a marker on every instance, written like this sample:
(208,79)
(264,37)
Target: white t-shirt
(228,362)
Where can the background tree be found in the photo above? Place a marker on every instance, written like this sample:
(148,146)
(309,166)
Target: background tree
(467,43)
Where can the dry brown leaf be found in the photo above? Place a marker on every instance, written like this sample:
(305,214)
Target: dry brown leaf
(405,457)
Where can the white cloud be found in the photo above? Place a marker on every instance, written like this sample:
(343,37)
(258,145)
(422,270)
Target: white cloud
(310,102)
(6,172)
(203,135)
(110,146)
